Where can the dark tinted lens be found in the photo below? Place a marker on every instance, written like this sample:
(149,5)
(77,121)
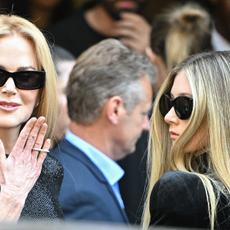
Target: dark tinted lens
(165,104)
(3,77)
(183,107)
(29,80)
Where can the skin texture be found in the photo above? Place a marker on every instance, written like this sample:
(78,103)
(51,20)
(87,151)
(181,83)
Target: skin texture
(181,87)
(22,58)
(18,172)
(131,125)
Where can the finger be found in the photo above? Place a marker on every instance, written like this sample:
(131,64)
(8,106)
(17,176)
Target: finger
(33,134)
(126,33)
(129,16)
(2,162)
(125,24)
(23,136)
(40,139)
(151,55)
(43,155)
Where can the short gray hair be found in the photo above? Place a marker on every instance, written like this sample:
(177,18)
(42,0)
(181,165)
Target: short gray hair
(107,69)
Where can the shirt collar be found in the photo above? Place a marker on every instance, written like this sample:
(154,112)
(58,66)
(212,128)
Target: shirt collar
(109,168)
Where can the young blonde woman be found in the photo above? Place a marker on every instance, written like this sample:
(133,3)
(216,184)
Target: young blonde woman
(189,146)
(29,178)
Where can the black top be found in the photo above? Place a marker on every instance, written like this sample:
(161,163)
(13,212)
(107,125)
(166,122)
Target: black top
(178,199)
(42,201)
(74,33)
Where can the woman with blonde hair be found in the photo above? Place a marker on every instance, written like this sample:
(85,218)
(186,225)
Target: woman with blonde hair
(189,147)
(30,179)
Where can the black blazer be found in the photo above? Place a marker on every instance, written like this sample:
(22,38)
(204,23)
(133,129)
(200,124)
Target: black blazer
(85,193)
(178,199)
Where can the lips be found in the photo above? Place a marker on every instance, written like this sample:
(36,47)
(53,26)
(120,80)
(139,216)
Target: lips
(173,135)
(8,106)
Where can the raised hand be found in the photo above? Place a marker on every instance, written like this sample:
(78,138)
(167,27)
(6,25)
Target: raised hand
(20,171)
(133,30)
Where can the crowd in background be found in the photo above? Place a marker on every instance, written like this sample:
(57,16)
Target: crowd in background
(166,32)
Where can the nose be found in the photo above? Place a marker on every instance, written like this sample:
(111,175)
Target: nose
(9,87)
(171,116)
(146,124)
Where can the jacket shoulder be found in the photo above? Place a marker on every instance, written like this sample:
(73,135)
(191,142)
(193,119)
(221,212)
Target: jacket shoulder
(179,199)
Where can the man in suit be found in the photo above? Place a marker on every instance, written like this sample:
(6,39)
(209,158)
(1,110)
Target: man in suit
(109,97)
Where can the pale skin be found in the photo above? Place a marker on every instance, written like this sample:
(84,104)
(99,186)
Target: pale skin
(132,30)
(20,170)
(181,87)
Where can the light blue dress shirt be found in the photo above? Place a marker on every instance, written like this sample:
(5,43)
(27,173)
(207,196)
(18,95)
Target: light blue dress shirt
(109,168)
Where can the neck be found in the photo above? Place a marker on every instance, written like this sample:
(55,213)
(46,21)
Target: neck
(96,135)
(98,18)
(9,138)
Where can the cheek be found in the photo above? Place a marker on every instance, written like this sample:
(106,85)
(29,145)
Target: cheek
(29,98)
(199,141)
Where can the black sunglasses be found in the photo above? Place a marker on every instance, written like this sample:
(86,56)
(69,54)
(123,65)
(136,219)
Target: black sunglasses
(26,79)
(182,105)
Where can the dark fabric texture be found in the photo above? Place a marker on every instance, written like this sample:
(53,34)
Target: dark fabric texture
(42,202)
(85,193)
(74,33)
(178,199)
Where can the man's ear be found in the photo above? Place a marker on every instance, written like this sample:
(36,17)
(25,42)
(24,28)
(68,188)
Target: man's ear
(115,109)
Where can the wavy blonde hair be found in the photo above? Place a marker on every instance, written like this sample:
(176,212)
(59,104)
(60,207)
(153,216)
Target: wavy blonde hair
(47,107)
(208,75)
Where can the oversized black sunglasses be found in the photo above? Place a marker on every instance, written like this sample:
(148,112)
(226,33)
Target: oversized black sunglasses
(182,105)
(26,79)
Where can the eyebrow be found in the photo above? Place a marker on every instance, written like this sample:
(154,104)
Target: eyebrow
(21,68)
(181,94)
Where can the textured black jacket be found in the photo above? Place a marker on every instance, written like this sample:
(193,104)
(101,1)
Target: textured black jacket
(178,199)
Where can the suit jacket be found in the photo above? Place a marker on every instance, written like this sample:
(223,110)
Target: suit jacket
(178,199)
(85,193)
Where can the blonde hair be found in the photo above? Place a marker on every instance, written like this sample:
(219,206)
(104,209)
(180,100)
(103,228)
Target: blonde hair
(208,75)
(180,31)
(47,107)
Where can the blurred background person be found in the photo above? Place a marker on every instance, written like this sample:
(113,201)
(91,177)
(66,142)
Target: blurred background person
(63,62)
(42,13)
(220,10)
(179,31)
(101,19)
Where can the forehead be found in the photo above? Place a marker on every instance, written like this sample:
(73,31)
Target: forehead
(181,85)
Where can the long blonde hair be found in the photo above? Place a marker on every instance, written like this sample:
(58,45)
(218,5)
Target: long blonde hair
(208,75)
(47,105)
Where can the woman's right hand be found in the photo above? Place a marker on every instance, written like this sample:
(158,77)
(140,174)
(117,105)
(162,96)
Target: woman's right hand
(20,171)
